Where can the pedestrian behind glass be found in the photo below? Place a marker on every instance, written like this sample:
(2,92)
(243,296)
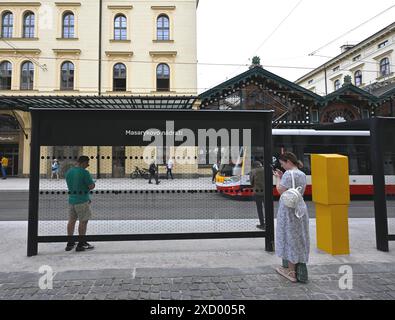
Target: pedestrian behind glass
(80,183)
(292,231)
(153,173)
(169,168)
(214,169)
(4,165)
(257,180)
(55,169)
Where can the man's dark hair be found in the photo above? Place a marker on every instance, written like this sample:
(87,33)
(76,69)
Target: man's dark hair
(83,159)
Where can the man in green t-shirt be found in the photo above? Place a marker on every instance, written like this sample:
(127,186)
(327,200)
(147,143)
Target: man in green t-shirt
(79,183)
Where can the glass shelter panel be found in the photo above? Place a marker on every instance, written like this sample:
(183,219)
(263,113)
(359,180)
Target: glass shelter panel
(149,176)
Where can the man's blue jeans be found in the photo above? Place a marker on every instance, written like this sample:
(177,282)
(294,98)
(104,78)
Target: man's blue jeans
(3,172)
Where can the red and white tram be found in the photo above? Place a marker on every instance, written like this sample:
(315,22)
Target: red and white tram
(233,179)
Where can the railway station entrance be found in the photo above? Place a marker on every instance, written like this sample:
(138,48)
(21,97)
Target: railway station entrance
(180,203)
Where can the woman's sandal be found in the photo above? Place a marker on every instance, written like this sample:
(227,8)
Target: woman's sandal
(286,273)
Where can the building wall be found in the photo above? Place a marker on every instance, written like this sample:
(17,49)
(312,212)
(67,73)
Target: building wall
(365,57)
(141,53)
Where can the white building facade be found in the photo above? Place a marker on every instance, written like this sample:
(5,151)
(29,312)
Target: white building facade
(370,64)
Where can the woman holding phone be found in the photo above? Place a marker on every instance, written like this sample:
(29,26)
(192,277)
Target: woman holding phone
(292,232)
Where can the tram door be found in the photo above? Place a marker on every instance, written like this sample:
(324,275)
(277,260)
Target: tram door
(11,152)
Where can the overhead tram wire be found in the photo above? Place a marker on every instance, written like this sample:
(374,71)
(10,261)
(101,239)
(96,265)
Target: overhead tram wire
(278,26)
(24,56)
(353,29)
(272,33)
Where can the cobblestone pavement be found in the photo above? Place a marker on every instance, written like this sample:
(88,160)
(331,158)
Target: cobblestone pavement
(370,281)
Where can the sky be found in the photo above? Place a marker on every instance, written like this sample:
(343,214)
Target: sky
(233,31)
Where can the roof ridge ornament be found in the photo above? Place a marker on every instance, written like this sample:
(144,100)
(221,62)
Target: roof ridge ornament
(256,62)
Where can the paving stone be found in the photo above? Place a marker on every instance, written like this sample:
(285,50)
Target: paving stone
(322,285)
(133,295)
(156,281)
(145,288)
(222,286)
(165,295)
(196,294)
(122,295)
(134,287)
(175,295)
(144,296)
(84,290)
(247,293)
(165,287)
(155,288)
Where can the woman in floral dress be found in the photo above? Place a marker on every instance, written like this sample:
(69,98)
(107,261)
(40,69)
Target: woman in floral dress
(292,232)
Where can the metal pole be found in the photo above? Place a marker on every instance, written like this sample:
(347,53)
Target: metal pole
(100,42)
(100,75)
(380,204)
(269,211)
(98,163)
(326,82)
(32,231)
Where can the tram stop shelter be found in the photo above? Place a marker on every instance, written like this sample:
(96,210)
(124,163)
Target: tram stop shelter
(118,121)
(382,150)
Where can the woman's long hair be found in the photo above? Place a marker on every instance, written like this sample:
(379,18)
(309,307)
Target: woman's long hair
(289,156)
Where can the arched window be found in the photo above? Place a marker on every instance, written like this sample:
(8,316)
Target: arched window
(7,25)
(5,75)
(120,27)
(163,77)
(163,27)
(68,25)
(358,78)
(27,76)
(28,25)
(337,85)
(67,76)
(385,67)
(119,77)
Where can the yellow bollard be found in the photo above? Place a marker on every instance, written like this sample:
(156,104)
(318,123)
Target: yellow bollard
(331,195)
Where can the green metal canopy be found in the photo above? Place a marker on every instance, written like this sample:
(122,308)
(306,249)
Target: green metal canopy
(260,76)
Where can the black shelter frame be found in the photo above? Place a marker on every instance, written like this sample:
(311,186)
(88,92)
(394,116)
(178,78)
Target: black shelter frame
(106,125)
(382,130)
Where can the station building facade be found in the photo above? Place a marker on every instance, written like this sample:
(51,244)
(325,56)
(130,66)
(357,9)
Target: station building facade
(90,48)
